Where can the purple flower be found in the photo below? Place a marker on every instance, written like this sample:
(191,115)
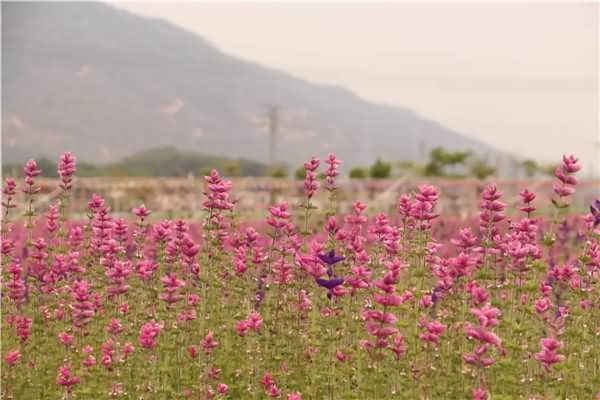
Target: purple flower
(260,296)
(330,258)
(330,283)
(595,209)
(434,294)
(260,291)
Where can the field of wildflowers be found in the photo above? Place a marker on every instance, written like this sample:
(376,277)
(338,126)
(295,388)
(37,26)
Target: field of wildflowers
(307,304)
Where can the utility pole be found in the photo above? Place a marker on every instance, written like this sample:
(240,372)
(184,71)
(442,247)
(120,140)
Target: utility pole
(422,150)
(273,117)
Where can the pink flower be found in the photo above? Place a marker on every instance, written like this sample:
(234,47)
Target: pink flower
(141,212)
(241,327)
(436,327)
(542,305)
(192,351)
(566,181)
(222,388)
(390,299)
(118,274)
(148,334)
(218,192)
(145,269)
(479,294)
(89,361)
(267,380)
(332,172)
(332,226)
(312,165)
(12,357)
(398,347)
(107,348)
(76,236)
(209,343)
(254,320)
(480,394)
(381,331)
(434,330)
(311,185)
(66,169)
(426,301)
(426,200)
(193,299)
(527,197)
(52,218)
(96,203)
(570,164)
(551,344)
(562,273)
(376,315)
(9,187)
(23,325)
(486,315)
(278,216)
(31,169)
(477,357)
(294,396)
(127,349)
(483,335)
(171,284)
(491,211)
(17,288)
(66,378)
(274,392)
(114,327)
(548,355)
(66,339)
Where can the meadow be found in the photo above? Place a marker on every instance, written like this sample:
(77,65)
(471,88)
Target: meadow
(300,300)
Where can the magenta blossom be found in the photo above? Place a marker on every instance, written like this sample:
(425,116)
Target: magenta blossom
(209,343)
(434,330)
(565,186)
(311,185)
(332,170)
(66,378)
(548,356)
(148,334)
(12,357)
(66,169)
(141,212)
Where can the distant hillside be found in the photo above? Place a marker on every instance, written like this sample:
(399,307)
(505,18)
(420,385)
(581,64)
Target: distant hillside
(104,84)
(163,161)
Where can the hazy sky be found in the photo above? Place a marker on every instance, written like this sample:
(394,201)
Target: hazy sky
(523,77)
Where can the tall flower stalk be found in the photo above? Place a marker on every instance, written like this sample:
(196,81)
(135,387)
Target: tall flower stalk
(31,171)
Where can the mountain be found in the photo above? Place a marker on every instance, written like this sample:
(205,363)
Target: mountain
(104,83)
(160,161)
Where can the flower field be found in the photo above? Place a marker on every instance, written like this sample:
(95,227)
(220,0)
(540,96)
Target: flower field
(305,303)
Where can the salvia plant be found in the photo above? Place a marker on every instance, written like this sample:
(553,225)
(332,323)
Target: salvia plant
(308,303)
